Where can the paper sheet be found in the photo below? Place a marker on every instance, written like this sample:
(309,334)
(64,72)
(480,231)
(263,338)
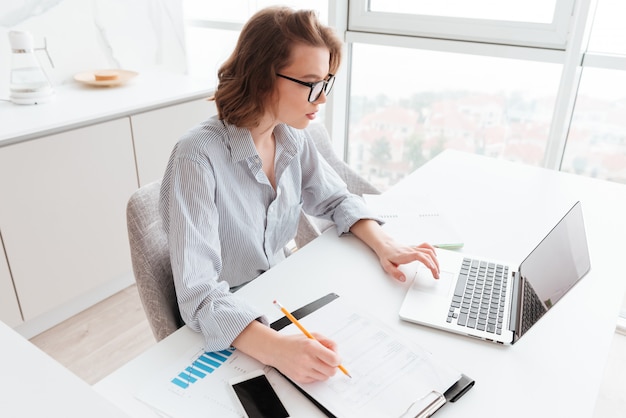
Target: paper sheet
(389,373)
(196,384)
(184,388)
(415,221)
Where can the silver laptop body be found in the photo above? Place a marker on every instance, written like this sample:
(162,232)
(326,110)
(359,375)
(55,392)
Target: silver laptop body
(508,307)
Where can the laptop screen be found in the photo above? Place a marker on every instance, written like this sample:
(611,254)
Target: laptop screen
(558,262)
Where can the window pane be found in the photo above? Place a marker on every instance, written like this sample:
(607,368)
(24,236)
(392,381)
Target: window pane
(231,10)
(207,49)
(240,10)
(538,11)
(608,34)
(596,143)
(403,115)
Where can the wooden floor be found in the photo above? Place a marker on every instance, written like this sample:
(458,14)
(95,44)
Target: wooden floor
(101,339)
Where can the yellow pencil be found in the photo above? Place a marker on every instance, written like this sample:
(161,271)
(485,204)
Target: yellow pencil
(304,330)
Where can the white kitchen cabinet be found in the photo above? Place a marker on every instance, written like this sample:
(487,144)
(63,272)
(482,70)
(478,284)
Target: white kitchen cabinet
(156,132)
(9,308)
(62,213)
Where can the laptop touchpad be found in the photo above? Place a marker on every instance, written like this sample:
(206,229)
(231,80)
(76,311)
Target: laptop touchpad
(426,283)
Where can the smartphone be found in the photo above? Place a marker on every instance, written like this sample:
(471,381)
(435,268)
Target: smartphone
(257,396)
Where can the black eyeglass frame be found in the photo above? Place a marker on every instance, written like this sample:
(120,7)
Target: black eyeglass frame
(327,86)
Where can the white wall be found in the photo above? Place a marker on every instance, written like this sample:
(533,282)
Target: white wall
(85,35)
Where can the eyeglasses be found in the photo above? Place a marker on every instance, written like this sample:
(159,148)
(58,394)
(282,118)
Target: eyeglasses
(316,88)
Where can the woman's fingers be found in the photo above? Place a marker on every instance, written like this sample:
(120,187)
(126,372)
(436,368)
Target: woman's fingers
(305,360)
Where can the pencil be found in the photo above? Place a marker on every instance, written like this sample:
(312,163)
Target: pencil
(304,330)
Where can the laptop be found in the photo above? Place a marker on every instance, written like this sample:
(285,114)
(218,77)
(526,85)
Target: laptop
(502,306)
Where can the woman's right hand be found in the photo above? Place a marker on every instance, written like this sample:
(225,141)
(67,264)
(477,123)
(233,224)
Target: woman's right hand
(305,360)
(300,358)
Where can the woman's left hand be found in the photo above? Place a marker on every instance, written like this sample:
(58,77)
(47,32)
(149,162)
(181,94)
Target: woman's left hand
(392,255)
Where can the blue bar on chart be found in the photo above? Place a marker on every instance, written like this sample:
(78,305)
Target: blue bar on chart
(205,364)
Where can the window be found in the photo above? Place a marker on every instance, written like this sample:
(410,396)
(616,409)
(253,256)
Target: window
(540,11)
(596,144)
(403,115)
(205,56)
(609,31)
(539,23)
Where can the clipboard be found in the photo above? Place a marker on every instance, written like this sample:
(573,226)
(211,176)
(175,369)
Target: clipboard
(422,408)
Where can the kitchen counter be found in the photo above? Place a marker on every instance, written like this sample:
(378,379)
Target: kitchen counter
(76,105)
(67,169)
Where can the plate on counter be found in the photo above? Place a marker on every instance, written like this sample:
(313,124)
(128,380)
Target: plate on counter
(105,78)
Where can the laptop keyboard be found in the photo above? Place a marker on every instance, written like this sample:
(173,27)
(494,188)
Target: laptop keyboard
(533,308)
(478,300)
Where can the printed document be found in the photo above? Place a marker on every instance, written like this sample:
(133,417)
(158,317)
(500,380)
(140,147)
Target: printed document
(390,375)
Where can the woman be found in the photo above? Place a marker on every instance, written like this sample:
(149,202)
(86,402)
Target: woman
(235,185)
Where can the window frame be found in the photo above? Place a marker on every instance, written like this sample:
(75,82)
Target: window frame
(570,52)
(553,35)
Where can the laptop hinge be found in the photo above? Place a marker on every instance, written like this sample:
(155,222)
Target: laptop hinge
(516,307)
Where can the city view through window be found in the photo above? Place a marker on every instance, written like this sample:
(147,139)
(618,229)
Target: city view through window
(489,106)
(436,100)
(387,143)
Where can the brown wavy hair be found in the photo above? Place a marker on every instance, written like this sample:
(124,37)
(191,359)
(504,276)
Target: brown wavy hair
(247,78)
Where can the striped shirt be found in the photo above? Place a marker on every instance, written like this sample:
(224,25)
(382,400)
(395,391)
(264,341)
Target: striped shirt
(226,224)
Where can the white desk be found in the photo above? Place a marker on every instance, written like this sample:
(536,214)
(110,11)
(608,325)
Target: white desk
(32,384)
(554,370)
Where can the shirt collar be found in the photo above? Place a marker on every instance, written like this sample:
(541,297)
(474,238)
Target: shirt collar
(242,146)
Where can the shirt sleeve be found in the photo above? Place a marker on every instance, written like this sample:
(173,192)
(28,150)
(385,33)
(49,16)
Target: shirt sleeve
(206,304)
(325,194)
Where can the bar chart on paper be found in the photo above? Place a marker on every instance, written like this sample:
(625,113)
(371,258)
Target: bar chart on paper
(205,364)
(197,382)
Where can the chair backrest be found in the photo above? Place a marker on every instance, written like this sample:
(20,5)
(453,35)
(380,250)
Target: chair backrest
(356,183)
(151,261)
(311,227)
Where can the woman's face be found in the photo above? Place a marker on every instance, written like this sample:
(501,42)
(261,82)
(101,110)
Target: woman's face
(309,64)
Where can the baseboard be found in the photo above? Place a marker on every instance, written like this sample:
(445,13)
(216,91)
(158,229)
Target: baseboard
(54,317)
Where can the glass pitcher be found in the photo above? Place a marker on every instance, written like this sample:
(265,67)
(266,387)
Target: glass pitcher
(29,83)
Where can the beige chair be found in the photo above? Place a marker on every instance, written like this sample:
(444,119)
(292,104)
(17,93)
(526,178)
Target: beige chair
(311,227)
(151,261)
